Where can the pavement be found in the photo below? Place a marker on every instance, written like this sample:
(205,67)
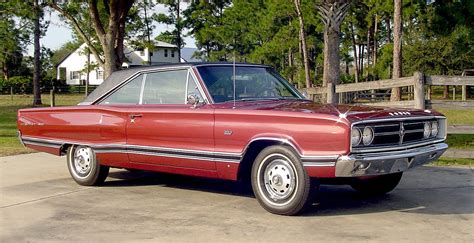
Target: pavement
(40,202)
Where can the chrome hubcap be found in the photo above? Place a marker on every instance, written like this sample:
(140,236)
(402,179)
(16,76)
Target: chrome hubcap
(279,179)
(83,160)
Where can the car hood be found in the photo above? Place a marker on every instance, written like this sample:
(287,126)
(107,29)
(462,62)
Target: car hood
(351,112)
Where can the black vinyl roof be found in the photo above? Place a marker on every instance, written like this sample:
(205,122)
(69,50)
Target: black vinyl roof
(116,78)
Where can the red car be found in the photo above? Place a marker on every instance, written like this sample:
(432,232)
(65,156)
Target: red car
(234,122)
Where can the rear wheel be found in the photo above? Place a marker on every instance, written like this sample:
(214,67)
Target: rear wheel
(377,185)
(84,167)
(280,182)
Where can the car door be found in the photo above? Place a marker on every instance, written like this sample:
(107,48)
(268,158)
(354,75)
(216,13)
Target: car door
(164,130)
(113,111)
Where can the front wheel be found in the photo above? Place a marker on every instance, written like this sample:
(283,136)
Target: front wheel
(377,185)
(280,182)
(84,167)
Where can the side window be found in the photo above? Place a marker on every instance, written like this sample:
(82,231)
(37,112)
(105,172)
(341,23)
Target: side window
(127,94)
(167,87)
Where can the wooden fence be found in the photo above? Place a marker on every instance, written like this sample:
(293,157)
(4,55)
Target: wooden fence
(418,94)
(419,88)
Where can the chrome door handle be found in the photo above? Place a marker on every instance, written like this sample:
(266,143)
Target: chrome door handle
(133,116)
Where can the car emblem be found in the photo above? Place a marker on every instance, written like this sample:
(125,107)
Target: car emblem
(402,132)
(228,132)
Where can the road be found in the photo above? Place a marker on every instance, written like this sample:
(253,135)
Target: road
(39,202)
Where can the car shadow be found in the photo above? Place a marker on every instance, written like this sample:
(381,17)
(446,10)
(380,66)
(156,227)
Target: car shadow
(331,200)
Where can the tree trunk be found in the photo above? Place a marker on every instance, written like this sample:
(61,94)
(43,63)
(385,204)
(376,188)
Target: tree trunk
(178,30)
(88,71)
(332,13)
(331,59)
(374,38)
(368,53)
(147,31)
(356,60)
(389,32)
(446,92)
(5,71)
(397,48)
(37,54)
(302,36)
(110,32)
(361,56)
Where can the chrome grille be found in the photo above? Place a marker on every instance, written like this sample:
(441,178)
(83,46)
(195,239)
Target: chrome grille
(396,133)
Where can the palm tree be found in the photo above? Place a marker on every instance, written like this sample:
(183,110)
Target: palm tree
(332,13)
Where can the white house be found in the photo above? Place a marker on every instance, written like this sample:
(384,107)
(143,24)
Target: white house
(72,67)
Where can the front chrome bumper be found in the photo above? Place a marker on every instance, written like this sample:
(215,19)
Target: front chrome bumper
(387,162)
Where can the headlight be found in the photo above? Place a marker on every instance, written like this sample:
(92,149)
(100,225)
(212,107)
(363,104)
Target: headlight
(426,130)
(355,136)
(434,128)
(368,136)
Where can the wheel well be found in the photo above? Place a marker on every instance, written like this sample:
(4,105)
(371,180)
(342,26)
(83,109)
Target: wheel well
(63,149)
(252,151)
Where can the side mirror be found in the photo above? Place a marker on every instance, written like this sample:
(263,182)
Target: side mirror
(193,99)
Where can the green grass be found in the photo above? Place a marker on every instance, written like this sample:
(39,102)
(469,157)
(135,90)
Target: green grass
(458,117)
(451,161)
(9,144)
(461,141)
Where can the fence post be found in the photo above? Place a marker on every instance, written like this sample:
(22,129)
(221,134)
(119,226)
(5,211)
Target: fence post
(419,90)
(464,93)
(52,97)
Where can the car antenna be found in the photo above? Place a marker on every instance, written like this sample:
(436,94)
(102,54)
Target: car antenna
(233,75)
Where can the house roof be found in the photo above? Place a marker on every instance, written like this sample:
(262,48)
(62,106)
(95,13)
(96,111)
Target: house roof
(83,45)
(164,44)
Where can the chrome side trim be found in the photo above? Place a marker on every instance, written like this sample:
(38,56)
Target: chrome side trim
(145,150)
(323,160)
(319,164)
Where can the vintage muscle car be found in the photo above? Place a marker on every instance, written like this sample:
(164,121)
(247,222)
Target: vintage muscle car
(234,122)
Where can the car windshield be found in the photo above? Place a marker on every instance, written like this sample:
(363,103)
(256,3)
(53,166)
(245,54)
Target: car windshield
(251,83)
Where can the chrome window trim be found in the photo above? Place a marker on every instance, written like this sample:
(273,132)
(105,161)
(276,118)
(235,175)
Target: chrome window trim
(441,139)
(142,88)
(125,81)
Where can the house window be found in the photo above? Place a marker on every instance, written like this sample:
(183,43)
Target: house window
(99,74)
(141,51)
(172,53)
(166,52)
(75,75)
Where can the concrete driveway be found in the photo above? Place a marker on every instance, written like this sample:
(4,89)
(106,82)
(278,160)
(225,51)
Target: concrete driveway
(39,202)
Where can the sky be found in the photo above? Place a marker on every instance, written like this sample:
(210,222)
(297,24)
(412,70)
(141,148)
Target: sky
(59,32)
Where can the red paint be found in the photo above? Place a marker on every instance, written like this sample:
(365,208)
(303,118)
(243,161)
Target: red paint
(311,128)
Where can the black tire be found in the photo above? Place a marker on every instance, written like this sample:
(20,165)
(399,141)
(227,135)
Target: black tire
(378,185)
(84,167)
(280,182)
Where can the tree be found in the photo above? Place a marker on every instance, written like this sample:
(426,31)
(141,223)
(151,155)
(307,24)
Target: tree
(174,17)
(14,39)
(109,23)
(332,13)
(302,36)
(37,14)
(397,48)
